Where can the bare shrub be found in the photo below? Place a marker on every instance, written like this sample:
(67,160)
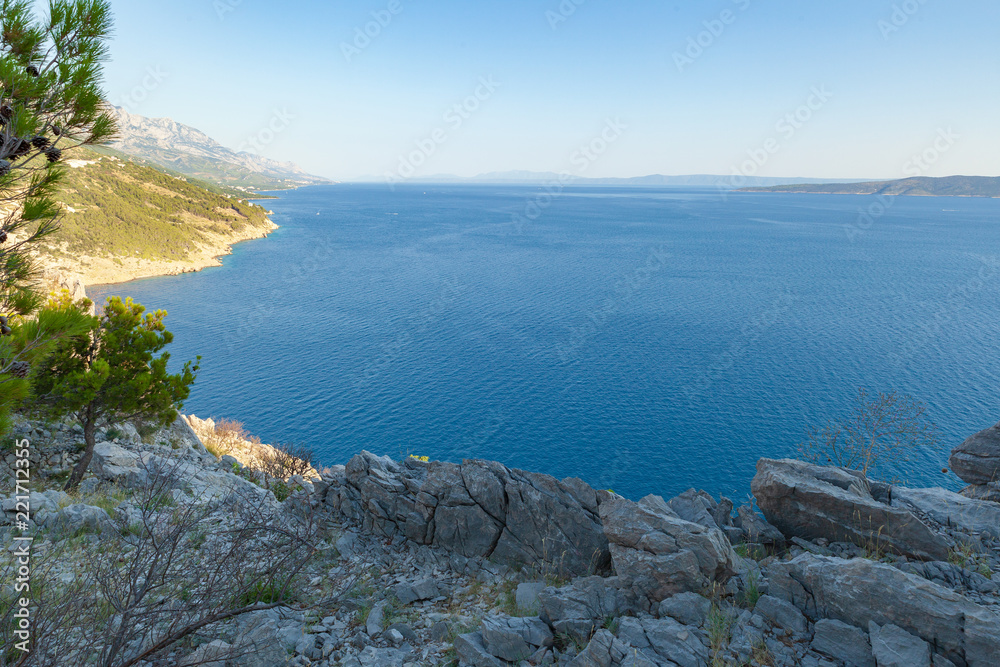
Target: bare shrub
(227,437)
(879,434)
(168,572)
(282,461)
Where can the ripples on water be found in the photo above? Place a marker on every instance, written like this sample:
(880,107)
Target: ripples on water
(645,340)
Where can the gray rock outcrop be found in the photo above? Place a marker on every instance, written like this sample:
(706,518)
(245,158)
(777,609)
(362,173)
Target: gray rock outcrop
(977,460)
(515,639)
(861,591)
(664,639)
(658,553)
(477,509)
(810,502)
(578,609)
(951,509)
(844,642)
(895,647)
(604,650)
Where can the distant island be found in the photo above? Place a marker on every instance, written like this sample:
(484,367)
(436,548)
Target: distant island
(949,186)
(550,178)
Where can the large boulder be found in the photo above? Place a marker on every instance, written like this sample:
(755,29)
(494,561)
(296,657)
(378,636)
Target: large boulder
(950,509)
(977,460)
(514,639)
(895,647)
(604,650)
(861,591)
(840,505)
(476,509)
(990,492)
(577,610)
(112,461)
(472,651)
(842,641)
(659,553)
(181,434)
(82,517)
(665,641)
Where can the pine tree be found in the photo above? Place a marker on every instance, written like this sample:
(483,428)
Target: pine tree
(50,101)
(110,373)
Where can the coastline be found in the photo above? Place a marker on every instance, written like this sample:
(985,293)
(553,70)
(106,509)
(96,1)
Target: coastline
(90,270)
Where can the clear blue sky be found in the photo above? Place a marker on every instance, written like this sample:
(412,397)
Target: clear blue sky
(226,66)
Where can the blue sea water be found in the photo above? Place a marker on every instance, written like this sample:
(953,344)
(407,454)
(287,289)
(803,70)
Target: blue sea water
(647,341)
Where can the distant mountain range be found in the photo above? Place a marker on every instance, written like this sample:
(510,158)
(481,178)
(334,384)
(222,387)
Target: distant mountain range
(654,180)
(181,148)
(949,186)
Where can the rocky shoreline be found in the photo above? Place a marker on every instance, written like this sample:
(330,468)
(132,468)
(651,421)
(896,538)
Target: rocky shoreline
(436,563)
(88,270)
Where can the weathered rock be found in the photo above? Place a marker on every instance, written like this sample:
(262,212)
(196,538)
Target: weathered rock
(472,652)
(373,624)
(809,501)
(373,656)
(695,506)
(212,654)
(843,642)
(79,516)
(756,530)
(952,576)
(478,508)
(950,509)
(977,460)
(781,613)
(660,554)
(686,608)
(664,638)
(579,609)
(404,630)
(989,492)
(526,596)
(860,591)
(181,434)
(112,461)
(261,644)
(425,589)
(604,650)
(895,647)
(514,639)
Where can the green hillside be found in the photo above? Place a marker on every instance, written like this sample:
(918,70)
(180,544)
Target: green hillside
(116,207)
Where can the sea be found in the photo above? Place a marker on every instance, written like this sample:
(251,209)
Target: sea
(647,341)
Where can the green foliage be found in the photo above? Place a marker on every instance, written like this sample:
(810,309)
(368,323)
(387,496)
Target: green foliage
(720,625)
(31,339)
(752,591)
(110,373)
(281,491)
(50,72)
(50,101)
(967,557)
(125,209)
(265,592)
